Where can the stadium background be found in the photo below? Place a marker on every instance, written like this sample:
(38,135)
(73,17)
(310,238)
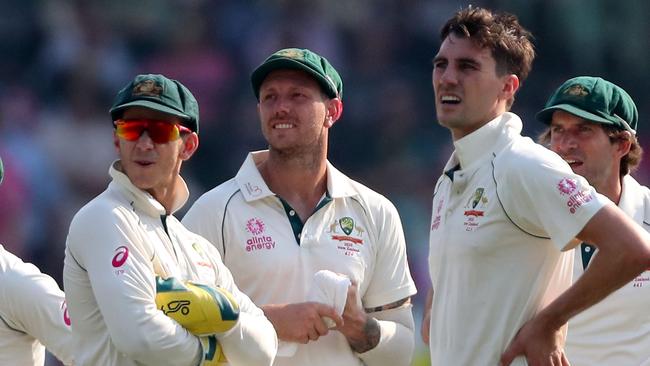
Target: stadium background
(62,62)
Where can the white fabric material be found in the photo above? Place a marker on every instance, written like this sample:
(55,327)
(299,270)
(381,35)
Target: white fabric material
(491,261)
(328,288)
(616,331)
(248,225)
(117,244)
(32,315)
(396,327)
(331,289)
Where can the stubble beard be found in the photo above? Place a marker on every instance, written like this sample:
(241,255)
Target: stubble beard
(306,156)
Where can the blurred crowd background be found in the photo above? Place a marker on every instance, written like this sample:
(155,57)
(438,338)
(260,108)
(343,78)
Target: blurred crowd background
(63,61)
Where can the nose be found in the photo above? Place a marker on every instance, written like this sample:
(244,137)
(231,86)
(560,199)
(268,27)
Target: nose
(563,142)
(447,75)
(144,141)
(282,107)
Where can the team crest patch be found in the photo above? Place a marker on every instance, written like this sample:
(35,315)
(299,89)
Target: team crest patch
(352,235)
(577,198)
(577,90)
(258,240)
(291,53)
(475,209)
(347,225)
(148,88)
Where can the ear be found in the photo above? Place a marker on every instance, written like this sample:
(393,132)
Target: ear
(190,144)
(116,142)
(334,111)
(510,86)
(624,143)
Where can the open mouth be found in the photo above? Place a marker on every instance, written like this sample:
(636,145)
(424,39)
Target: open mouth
(144,163)
(283,126)
(573,163)
(449,99)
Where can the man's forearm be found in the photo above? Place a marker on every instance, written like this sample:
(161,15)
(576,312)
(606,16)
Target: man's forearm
(603,276)
(396,342)
(368,338)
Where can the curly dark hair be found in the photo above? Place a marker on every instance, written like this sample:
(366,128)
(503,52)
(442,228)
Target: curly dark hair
(510,43)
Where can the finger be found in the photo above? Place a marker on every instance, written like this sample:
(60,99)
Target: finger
(313,335)
(321,327)
(508,355)
(328,311)
(424,330)
(565,361)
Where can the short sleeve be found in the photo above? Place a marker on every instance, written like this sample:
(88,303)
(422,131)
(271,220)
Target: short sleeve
(542,196)
(391,279)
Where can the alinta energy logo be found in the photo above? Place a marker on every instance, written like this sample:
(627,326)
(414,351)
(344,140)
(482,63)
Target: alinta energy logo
(568,186)
(435,223)
(258,241)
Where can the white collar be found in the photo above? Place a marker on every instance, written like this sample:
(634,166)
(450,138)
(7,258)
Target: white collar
(479,144)
(141,199)
(253,186)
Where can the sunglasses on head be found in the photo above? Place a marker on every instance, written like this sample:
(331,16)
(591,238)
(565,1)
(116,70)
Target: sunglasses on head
(160,132)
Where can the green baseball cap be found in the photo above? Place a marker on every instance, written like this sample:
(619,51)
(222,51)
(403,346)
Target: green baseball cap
(159,93)
(300,59)
(593,99)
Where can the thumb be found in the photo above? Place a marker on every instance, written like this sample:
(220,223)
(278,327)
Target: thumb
(509,354)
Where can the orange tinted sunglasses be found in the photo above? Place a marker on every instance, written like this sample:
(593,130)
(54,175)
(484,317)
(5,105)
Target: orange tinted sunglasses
(160,132)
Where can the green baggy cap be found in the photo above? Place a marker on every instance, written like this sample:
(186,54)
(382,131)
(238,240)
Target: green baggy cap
(300,59)
(159,93)
(593,99)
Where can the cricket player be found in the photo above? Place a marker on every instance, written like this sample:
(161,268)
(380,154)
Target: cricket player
(506,212)
(592,126)
(288,213)
(33,313)
(125,249)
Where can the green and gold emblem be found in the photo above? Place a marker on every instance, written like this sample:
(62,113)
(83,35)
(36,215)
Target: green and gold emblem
(347,225)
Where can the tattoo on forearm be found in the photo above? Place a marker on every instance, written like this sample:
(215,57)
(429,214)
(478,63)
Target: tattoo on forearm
(371,332)
(392,305)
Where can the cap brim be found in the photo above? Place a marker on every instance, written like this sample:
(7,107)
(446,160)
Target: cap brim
(546,114)
(258,76)
(148,104)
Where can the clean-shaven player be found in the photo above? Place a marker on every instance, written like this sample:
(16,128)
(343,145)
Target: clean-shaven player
(121,241)
(288,213)
(33,313)
(593,128)
(506,212)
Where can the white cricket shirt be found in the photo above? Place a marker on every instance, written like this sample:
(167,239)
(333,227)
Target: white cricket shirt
(116,246)
(32,315)
(502,214)
(354,231)
(615,331)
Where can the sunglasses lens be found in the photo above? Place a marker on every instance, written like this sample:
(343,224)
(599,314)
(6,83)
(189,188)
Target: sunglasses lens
(160,132)
(130,130)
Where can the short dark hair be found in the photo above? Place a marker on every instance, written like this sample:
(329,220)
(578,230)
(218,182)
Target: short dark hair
(510,43)
(629,163)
